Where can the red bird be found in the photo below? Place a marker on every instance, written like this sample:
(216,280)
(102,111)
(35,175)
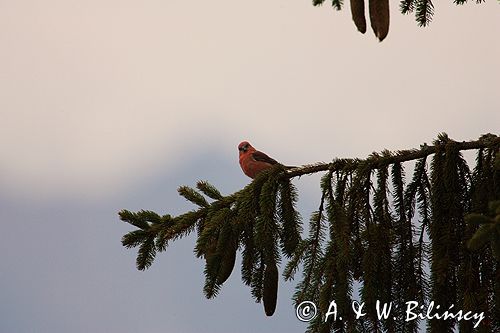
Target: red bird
(253,161)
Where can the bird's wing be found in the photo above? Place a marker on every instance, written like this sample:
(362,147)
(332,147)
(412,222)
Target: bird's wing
(261,157)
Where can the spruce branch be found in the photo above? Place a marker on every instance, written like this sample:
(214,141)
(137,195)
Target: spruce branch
(407,6)
(379,12)
(488,230)
(376,161)
(365,229)
(424,12)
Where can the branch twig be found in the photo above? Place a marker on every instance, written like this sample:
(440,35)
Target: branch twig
(487,140)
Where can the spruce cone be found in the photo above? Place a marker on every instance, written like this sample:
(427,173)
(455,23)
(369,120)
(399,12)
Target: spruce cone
(270,293)
(227,264)
(358,14)
(379,17)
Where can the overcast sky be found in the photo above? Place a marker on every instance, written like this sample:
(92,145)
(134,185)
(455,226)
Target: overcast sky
(106,105)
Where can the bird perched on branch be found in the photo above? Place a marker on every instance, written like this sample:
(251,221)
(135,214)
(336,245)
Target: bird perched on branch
(253,161)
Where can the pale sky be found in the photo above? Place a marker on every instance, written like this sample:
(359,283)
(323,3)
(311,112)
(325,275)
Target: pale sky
(108,104)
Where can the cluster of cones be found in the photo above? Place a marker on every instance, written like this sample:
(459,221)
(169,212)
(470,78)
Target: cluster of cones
(379,16)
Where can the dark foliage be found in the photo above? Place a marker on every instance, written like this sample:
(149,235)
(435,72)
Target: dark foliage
(379,12)
(435,237)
